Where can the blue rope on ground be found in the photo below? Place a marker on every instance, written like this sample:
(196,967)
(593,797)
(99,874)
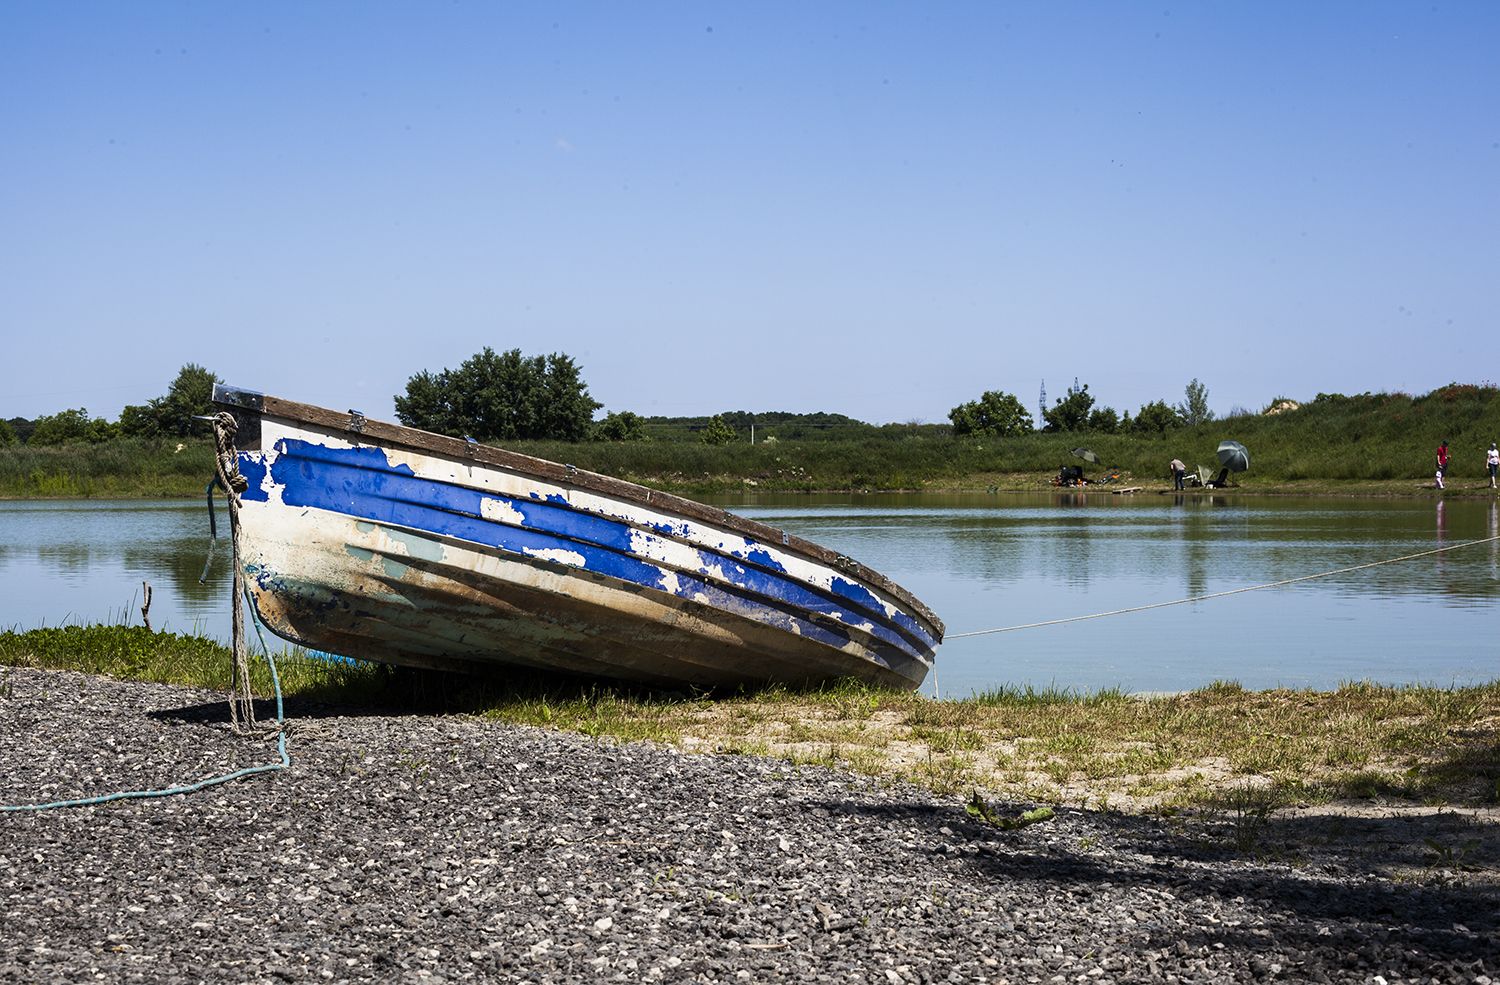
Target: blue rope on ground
(285,762)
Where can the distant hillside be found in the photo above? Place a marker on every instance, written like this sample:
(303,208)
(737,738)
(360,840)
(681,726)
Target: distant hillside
(1372,437)
(779,424)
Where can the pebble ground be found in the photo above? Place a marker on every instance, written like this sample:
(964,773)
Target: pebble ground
(432,848)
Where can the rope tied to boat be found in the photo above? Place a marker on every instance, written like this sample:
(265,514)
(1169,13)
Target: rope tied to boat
(241,707)
(227,475)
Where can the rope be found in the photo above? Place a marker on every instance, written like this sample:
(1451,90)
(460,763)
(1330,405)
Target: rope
(227,474)
(1219,595)
(284,761)
(213,526)
(243,718)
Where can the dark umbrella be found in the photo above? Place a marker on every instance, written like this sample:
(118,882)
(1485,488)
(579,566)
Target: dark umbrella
(1234,456)
(1086,455)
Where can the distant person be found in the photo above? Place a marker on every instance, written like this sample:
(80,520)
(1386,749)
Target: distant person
(1442,463)
(1492,459)
(1177,470)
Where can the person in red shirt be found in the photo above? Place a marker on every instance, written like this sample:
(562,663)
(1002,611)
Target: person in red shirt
(1442,463)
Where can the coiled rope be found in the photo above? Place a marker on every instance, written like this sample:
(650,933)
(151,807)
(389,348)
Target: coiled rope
(1219,595)
(284,761)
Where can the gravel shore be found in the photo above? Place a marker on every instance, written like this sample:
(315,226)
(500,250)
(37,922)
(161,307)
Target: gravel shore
(434,848)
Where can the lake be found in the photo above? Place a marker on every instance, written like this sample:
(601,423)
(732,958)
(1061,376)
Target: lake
(981,562)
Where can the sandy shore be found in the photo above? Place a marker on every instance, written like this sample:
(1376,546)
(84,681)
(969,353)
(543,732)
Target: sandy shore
(433,848)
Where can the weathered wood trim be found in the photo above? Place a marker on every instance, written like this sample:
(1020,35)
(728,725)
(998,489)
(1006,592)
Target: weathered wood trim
(365,429)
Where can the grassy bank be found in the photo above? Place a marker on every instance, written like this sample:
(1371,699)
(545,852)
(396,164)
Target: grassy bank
(125,468)
(1381,444)
(1375,444)
(1221,746)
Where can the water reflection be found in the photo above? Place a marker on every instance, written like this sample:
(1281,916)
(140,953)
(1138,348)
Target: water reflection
(85,561)
(985,561)
(981,561)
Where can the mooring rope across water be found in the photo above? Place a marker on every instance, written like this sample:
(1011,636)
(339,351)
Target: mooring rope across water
(1219,595)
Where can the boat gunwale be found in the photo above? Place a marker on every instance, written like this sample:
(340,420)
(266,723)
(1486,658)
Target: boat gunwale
(362,429)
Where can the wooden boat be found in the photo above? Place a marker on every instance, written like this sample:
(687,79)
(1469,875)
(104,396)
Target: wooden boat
(386,543)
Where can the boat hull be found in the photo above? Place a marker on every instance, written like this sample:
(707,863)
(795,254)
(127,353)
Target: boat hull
(392,548)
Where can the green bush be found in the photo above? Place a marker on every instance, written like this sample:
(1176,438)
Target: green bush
(70,427)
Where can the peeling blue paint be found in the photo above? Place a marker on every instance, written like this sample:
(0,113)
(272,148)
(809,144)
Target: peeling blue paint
(863,597)
(362,483)
(253,468)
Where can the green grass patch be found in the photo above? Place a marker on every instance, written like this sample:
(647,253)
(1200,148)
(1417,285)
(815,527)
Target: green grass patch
(136,653)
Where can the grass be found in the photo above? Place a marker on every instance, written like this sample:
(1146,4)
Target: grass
(1220,747)
(1377,444)
(123,468)
(136,653)
(1381,443)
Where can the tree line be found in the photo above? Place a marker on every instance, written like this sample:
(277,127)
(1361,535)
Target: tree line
(172,415)
(1002,414)
(508,396)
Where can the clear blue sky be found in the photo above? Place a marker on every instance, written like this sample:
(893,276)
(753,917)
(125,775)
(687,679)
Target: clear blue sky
(875,209)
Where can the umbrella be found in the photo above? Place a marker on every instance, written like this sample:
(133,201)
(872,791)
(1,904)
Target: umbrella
(1234,456)
(1086,455)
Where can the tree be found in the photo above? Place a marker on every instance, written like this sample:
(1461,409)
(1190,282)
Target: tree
(22,427)
(71,427)
(1155,418)
(995,412)
(1104,420)
(7,434)
(174,414)
(137,421)
(1194,410)
(566,411)
(718,432)
(502,397)
(1070,413)
(429,405)
(621,425)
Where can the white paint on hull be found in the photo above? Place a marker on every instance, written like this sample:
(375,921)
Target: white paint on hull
(675,551)
(368,570)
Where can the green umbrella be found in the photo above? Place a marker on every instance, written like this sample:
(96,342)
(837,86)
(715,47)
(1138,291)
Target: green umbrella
(1234,456)
(1086,455)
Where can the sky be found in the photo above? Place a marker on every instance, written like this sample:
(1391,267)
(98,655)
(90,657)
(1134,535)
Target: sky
(875,209)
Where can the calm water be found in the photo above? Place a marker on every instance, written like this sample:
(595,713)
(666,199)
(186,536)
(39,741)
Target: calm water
(981,562)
